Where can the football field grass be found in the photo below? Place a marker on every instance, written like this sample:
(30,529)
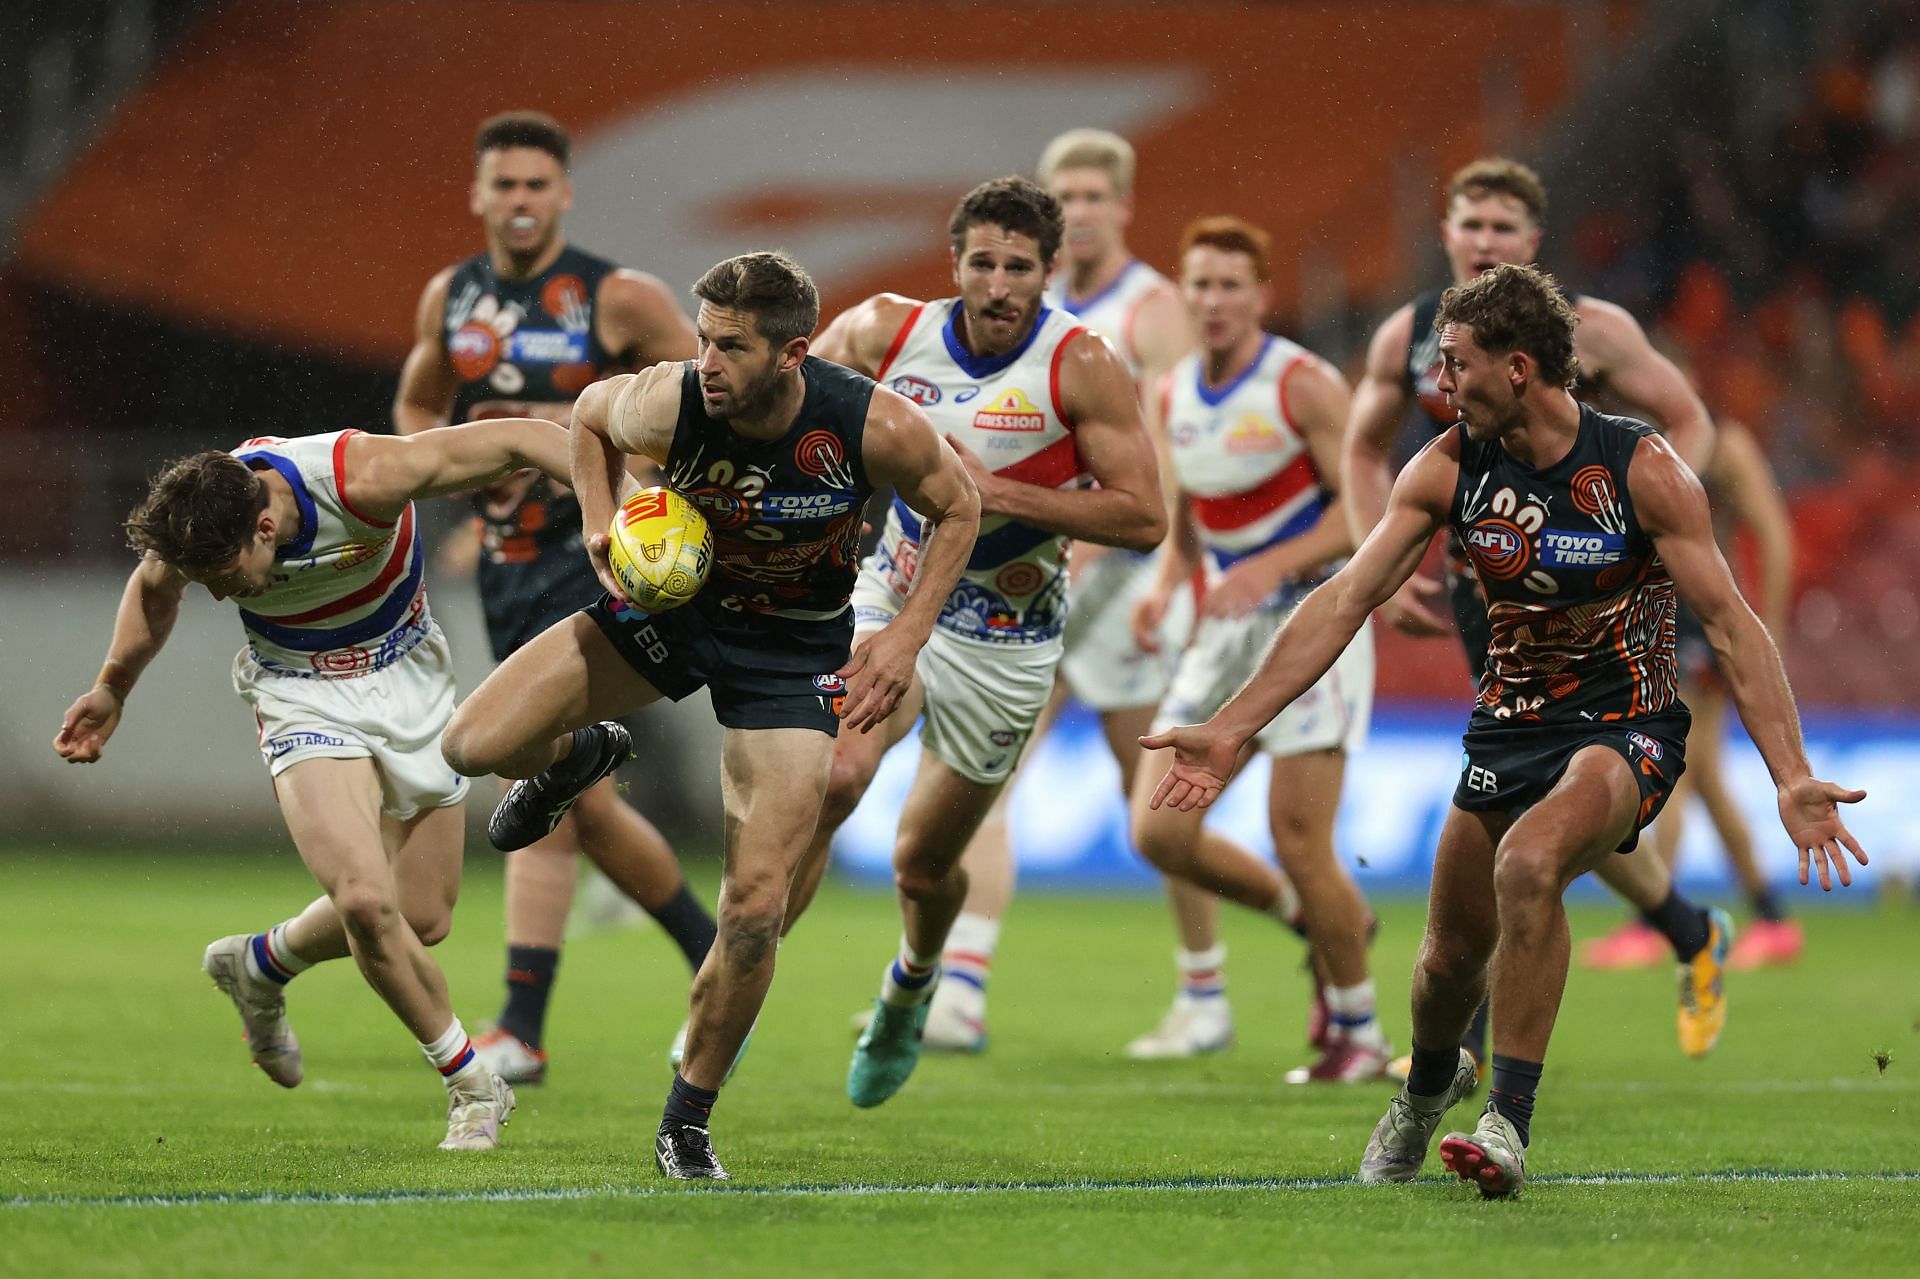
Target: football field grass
(138,1141)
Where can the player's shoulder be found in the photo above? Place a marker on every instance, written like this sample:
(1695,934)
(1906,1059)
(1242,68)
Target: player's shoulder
(1605,330)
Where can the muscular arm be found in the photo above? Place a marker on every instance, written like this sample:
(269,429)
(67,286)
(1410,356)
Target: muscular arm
(860,336)
(1128,508)
(1740,471)
(1318,631)
(1379,405)
(388,471)
(428,383)
(902,449)
(149,606)
(632,414)
(1613,348)
(641,324)
(1672,507)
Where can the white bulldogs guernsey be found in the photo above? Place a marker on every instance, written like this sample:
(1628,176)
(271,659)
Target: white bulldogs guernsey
(349,594)
(1006,409)
(1247,473)
(1111,311)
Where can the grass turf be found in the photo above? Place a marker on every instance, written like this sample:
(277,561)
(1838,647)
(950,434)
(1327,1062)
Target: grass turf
(122,1078)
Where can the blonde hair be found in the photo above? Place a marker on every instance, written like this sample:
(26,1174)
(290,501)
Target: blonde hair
(1497,175)
(1090,149)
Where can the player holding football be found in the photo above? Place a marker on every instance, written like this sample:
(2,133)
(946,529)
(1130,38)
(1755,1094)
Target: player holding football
(350,679)
(1582,528)
(1252,424)
(780,450)
(1494,212)
(1036,405)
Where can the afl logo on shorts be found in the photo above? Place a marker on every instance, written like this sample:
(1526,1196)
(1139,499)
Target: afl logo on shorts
(1648,746)
(474,350)
(917,389)
(1499,548)
(821,455)
(830,683)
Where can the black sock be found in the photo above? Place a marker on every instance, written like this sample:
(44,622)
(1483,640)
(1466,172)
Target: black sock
(688,923)
(1767,907)
(1680,922)
(1514,1083)
(1432,1071)
(530,972)
(1475,1040)
(688,1106)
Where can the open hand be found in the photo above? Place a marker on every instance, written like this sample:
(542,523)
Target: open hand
(878,676)
(1203,760)
(1808,811)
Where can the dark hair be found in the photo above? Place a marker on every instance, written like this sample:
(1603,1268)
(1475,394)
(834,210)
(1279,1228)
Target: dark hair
(1229,235)
(1012,204)
(772,287)
(199,512)
(1497,175)
(533,129)
(1516,308)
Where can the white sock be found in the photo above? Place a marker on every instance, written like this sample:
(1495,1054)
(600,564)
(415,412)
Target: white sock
(269,957)
(968,958)
(1286,907)
(910,978)
(1351,1008)
(452,1055)
(1203,976)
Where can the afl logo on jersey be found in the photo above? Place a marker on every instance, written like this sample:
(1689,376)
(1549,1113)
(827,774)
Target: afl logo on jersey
(1011,412)
(917,389)
(474,349)
(821,455)
(1499,548)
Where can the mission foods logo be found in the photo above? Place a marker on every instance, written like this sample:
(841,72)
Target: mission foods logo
(1011,412)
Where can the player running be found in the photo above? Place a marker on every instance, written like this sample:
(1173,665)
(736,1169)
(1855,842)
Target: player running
(781,450)
(1036,405)
(1494,213)
(1252,425)
(351,682)
(1582,527)
(517,331)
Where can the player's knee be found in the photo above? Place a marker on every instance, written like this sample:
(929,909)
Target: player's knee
(1449,961)
(919,879)
(367,910)
(431,927)
(1161,844)
(1525,874)
(845,785)
(749,923)
(463,749)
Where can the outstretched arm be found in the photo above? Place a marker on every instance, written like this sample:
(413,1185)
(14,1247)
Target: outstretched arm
(901,449)
(388,471)
(1315,635)
(1672,507)
(148,608)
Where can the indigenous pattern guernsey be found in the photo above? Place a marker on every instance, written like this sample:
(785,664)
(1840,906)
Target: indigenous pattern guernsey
(1006,409)
(1581,608)
(1248,476)
(785,513)
(532,340)
(348,595)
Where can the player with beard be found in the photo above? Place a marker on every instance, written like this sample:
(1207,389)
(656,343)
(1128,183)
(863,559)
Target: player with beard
(518,331)
(1583,528)
(1037,406)
(1495,209)
(781,450)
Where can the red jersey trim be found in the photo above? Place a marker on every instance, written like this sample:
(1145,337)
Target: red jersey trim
(1236,510)
(899,340)
(1053,375)
(395,565)
(340,482)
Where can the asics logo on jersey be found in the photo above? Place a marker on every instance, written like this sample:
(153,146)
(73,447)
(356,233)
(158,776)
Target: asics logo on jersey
(1011,412)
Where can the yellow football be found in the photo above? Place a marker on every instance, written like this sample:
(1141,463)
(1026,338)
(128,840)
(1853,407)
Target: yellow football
(660,549)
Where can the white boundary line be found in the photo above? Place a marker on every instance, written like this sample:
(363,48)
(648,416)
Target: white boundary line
(378,1198)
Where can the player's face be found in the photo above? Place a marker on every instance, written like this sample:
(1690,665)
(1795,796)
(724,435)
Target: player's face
(1492,230)
(1096,216)
(519,194)
(739,368)
(1223,294)
(246,575)
(1477,383)
(1001,277)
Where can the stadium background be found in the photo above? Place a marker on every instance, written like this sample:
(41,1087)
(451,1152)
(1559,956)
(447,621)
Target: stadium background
(215,220)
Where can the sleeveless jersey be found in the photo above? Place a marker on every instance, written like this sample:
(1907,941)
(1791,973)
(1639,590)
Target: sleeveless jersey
(1580,606)
(1112,310)
(1006,409)
(785,513)
(1243,464)
(533,340)
(348,595)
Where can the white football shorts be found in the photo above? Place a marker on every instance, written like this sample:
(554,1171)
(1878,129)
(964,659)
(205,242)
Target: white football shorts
(1332,715)
(1103,667)
(394,716)
(982,698)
